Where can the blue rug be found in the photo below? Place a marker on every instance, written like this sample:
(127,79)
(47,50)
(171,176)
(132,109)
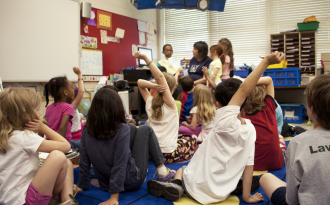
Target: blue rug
(142,197)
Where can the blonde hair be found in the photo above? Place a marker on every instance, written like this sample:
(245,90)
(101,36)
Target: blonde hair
(255,101)
(16,108)
(205,106)
(157,101)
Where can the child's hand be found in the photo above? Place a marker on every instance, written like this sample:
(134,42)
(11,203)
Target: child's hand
(189,118)
(205,71)
(139,55)
(76,70)
(275,57)
(185,123)
(252,199)
(161,88)
(35,125)
(180,70)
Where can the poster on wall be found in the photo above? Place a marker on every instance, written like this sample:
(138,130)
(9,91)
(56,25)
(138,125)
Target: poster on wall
(88,42)
(104,38)
(104,20)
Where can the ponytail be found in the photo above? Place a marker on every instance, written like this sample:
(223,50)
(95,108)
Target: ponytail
(156,105)
(222,59)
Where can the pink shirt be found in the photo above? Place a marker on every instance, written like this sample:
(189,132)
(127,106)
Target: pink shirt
(54,114)
(226,69)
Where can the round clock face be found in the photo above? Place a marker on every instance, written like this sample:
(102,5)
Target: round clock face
(203,4)
(92,15)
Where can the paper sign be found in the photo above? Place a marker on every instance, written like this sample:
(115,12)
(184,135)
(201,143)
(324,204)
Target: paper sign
(104,20)
(151,37)
(150,28)
(142,38)
(142,26)
(113,39)
(104,34)
(134,49)
(120,33)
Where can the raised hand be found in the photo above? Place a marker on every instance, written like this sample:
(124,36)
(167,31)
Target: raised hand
(161,88)
(205,71)
(76,70)
(140,55)
(275,57)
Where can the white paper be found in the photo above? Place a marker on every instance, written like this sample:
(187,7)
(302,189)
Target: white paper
(154,52)
(113,39)
(103,80)
(151,37)
(43,155)
(120,33)
(150,28)
(142,26)
(104,37)
(142,38)
(134,49)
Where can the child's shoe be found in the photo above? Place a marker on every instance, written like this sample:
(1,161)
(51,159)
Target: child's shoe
(165,178)
(170,191)
(72,201)
(75,190)
(54,202)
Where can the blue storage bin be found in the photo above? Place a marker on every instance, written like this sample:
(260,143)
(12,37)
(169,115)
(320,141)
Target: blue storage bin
(284,76)
(293,113)
(242,73)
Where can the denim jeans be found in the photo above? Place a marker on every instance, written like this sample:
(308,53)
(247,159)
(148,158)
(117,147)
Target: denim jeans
(75,143)
(143,143)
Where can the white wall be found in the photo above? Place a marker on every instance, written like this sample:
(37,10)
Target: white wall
(121,7)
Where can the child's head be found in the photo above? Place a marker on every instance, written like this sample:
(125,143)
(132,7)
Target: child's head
(167,50)
(318,100)
(157,101)
(200,49)
(162,69)
(18,106)
(61,89)
(226,90)
(228,50)
(255,101)
(203,101)
(216,50)
(177,94)
(105,114)
(112,88)
(187,83)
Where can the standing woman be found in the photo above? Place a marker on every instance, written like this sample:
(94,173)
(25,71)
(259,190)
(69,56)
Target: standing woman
(199,60)
(228,67)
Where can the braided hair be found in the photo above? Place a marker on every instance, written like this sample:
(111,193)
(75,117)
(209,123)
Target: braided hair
(53,87)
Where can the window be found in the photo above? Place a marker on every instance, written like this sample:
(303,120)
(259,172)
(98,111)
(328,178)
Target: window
(247,24)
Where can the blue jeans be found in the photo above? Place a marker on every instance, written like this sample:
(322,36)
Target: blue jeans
(75,143)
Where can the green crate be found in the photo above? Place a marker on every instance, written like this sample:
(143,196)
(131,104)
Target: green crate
(310,26)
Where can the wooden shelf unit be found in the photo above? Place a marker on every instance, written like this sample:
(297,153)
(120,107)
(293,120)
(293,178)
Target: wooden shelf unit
(299,48)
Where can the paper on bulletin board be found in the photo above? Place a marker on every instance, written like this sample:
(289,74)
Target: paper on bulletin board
(120,33)
(142,26)
(134,49)
(142,38)
(151,37)
(104,39)
(88,42)
(150,27)
(154,52)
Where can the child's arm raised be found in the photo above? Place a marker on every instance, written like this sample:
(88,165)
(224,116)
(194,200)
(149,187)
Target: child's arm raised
(56,142)
(247,182)
(268,82)
(160,79)
(251,81)
(81,91)
(177,74)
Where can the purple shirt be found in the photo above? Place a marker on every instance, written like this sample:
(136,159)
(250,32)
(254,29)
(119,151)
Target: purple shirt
(195,67)
(54,114)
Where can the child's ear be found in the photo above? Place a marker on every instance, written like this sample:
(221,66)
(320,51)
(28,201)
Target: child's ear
(218,104)
(65,92)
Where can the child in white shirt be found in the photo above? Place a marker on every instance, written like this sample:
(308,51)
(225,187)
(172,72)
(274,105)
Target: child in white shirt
(21,179)
(226,154)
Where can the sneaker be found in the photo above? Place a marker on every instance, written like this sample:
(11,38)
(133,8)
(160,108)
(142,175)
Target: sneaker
(75,190)
(298,130)
(165,178)
(170,191)
(72,201)
(54,202)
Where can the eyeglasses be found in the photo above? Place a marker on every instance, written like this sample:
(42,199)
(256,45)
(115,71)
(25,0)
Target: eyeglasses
(168,50)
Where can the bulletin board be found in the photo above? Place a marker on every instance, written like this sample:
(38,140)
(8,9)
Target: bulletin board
(116,56)
(91,62)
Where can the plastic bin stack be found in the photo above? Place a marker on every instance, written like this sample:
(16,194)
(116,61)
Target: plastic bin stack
(293,113)
(284,77)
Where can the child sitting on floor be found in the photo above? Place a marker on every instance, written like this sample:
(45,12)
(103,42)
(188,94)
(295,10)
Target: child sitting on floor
(187,101)
(260,109)
(203,113)
(178,95)
(226,154)
(307,156)
(21,179)
(118,152)
(163,115)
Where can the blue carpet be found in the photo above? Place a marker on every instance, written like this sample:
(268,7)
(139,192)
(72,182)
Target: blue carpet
(141,197)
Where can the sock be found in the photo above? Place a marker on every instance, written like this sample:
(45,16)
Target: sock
(178,182)
(162,170)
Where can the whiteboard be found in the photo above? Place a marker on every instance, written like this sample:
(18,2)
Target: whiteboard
(40,39)
(91,62)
